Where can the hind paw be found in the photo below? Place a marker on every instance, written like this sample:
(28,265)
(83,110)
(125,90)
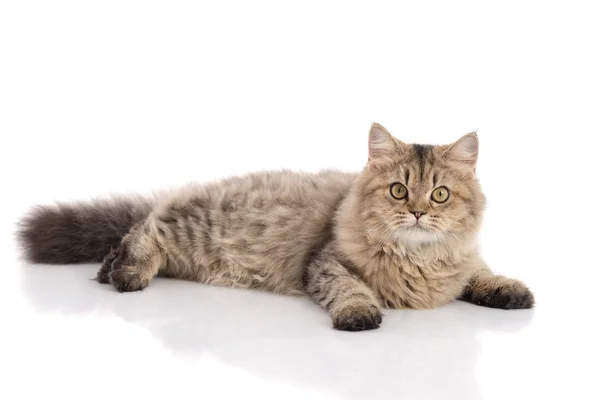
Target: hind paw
(128,279)
(104,272)
(126,274)
(132,265)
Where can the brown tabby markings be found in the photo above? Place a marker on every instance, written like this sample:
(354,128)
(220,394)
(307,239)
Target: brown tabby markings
(340,238)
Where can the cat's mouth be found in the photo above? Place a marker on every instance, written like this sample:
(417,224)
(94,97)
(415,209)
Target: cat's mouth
(419,227)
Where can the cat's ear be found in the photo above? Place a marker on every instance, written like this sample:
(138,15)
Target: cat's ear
(464,152)
(382,145)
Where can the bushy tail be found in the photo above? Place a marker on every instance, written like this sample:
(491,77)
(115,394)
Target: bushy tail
(79,232)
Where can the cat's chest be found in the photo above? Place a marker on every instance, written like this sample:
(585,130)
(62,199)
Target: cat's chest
(416,281)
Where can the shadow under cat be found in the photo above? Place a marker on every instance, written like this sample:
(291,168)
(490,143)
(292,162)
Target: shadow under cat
(420,354)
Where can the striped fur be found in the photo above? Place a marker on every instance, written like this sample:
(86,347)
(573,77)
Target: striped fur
(340,238)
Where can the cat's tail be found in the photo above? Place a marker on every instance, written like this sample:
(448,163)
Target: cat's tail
(79,232)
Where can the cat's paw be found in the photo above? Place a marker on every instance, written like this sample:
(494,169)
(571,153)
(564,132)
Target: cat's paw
(104,272)
(357,318)
(509,294)
(124,274)
(128,279)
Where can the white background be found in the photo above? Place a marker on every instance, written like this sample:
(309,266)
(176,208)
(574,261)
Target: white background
(120,96)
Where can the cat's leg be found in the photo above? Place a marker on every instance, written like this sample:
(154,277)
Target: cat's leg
(351,304)
(496,291)
(133,264)
(103,273)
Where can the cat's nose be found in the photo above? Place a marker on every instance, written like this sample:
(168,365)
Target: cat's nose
(418,214)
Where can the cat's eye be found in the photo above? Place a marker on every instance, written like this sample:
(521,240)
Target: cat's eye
(440,195)
(398,191)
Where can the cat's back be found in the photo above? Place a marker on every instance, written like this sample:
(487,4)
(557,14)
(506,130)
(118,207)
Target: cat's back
(285,202)
(273,189)
(297,187)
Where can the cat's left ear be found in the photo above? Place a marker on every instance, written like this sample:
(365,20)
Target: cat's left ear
(464,152)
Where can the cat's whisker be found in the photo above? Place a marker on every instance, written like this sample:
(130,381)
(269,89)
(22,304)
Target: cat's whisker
(381,225)
(385,237)
(385,223)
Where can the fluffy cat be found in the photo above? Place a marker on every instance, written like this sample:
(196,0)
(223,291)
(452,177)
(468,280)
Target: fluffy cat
(400,234)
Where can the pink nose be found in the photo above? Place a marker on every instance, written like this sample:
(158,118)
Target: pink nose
(418,214)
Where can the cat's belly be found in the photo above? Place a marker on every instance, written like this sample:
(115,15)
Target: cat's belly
(242,269)
(408,285)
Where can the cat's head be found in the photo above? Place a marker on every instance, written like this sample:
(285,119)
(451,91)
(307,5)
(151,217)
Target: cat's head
(416,194)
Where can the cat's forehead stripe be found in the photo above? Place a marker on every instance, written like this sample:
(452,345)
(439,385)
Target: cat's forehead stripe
(422,153)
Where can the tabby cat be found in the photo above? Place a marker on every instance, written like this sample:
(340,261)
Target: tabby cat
(400,234)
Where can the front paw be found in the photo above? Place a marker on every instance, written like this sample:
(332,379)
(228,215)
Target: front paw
(358,317)
(508,294)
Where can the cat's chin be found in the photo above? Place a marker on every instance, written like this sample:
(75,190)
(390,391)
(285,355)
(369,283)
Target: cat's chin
(416,235)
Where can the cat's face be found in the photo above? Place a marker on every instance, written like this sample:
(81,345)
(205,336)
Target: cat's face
(417,194)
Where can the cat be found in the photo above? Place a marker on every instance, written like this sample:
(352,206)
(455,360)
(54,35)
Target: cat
(402,233)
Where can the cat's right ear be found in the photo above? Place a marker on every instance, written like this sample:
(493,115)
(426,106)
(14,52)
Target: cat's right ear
(382,145)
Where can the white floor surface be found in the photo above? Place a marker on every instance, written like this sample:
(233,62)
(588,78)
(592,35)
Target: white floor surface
(68,336)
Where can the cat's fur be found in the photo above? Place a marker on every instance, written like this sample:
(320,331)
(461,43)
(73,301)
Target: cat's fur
(341,238)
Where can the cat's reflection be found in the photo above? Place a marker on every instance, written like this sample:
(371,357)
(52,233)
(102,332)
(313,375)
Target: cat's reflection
(415,354)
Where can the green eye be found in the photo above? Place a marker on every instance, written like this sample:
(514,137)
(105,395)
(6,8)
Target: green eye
(398,191)
(440,195)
